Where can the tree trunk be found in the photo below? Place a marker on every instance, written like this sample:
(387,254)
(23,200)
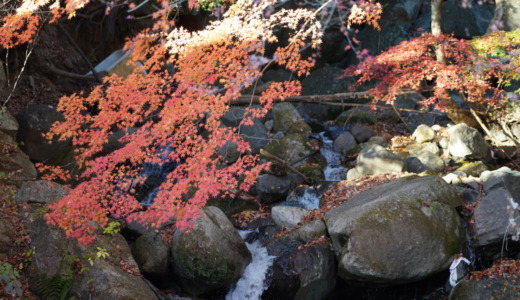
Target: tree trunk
(455,113)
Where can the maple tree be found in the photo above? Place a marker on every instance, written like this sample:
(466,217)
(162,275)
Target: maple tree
(171,114)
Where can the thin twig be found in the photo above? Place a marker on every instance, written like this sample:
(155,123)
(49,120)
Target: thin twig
(28,53)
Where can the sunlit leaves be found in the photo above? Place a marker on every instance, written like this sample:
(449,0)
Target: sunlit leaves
(173,115)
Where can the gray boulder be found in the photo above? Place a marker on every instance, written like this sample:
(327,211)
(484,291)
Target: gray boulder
(57,257)
(414,165)
(233,117)
(291,148)
(306,274)
(423,133)
(344,142)
(34,121)
(272,188)
(152,256)
(255,135)
(211,256)
(466,141)
(229,152)
(503,177)
(416,149)
(288,216)
(375,159)
(431,160)
(40,192)
(491,218)
(486,289)
(398,232)
(361,133)
(308,232)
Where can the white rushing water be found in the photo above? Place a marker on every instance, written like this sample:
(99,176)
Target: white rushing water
(306,197)
(252,285)
(334,170)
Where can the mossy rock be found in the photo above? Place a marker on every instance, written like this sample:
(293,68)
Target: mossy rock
(211,256)
(473,168)
(290,148)
(312,170)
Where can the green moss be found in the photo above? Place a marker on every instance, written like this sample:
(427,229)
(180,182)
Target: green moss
(207,267)
(312,171)
(473,168)
(290,147)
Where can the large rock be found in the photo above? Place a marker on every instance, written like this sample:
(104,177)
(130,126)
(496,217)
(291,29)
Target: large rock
(423,133)
(15,166)
(491,218)
(152,256)
(40,192)
(290,148)
(511,17)
(493,214)
(211,256)
(287,119)
(431,160)
(466,141)
(503,177)
(58,257)
(375,159)
(486,289)
(398,232)
(288,216)
(272,188)
(344,142)
(308,232)
(255,135)
(361,133)
(34,122)
(303,274)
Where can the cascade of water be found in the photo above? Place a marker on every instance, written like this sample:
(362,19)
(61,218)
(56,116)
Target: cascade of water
(334,170)
(252,284)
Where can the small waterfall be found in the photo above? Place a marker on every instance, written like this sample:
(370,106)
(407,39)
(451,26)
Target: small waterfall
(334,170)
(306,197)
(252,284)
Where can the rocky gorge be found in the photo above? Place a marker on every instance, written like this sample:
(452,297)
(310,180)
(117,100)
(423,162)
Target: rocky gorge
(434,197)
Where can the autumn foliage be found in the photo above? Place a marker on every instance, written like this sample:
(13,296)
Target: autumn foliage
(169,110)
(412,65)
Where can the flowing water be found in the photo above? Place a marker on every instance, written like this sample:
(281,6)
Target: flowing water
(334,170)
(252,284)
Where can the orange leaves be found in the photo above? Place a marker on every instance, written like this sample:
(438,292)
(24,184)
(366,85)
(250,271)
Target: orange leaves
(18,29)
(413,65)
(173,118)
